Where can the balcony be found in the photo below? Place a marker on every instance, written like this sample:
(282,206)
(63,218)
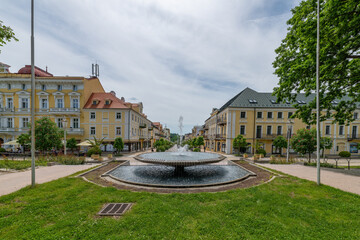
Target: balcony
(75,131)
(7,110)
(142,125)
(64,110)
(206,127)
(269,136)
(7,129)
(220,136)
(353,136)
(221,121)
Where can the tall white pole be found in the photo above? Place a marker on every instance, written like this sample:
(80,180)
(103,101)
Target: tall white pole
(318,95)
(32,99)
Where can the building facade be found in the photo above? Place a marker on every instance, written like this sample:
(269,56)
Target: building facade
(260,119)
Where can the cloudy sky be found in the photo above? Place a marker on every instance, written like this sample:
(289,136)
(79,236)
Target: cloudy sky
(177,57)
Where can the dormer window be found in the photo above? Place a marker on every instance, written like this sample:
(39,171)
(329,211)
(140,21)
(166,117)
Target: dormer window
(252,101)
(107,102)
(94,102)
(59,87)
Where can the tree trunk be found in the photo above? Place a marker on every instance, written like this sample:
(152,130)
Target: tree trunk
(309,158)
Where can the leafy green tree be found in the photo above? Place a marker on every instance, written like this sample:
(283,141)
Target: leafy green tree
(71,143)
(280,142)
(6,34)
(304,141)
(24,140)
(47,135)
(200,142)
(118,144)
(325,143)
(95,146)
(239,143)
(295,63)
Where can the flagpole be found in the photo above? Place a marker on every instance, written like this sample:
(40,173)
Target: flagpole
(32,99)
(317,94)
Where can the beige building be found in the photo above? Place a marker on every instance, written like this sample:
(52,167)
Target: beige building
(259,118)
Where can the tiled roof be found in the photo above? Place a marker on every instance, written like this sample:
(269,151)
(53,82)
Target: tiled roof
(38,71)
(115,103)
(249,98)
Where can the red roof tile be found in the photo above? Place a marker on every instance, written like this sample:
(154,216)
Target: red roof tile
(115,103)
(38,71)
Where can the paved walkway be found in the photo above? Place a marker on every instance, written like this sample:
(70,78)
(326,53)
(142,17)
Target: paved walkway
(12,182)
(341,181)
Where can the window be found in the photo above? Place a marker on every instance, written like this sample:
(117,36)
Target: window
(9,86)
(354,131)
(10,103)
(75,103)
(23,87)
(258,131)
(59,103)
(24,103)
(118,115)
(59,87)
(341,130)
(242,130)
(107,102)
(242,114)
(92,131)
(75,123)
(10,123)
(259,114)
(308,127)
(60,122)
(327,130)
(43,87)
(92,115)
(290,114)
(279,130)
(269,115)
(268,130)
(280,115)
(355,115)
(44,103)
(25,122)
(252,101)
(94,102)
(132,117)
(75,87)
(118,131)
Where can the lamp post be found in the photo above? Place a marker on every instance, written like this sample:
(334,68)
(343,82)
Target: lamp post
(64,126)
(288,139)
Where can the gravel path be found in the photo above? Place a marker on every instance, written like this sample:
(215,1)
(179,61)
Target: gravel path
(345,182)
(14,181)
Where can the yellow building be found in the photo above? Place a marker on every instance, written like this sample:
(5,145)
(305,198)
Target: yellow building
(80,103)
(260,119)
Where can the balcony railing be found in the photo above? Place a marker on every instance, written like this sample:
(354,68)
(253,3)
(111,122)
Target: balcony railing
(64,110)
(353,136)
(41,110)
(221,121)
(220,136)
(75,131)
(142,125)
(269,136)
(8,129)
(7,109)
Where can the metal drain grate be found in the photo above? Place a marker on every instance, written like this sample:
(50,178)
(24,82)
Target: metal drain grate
(114,209)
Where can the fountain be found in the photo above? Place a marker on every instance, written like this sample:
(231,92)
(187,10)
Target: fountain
(179,168)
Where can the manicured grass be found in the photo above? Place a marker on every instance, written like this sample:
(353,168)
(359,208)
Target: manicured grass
(20,164)
(286,208)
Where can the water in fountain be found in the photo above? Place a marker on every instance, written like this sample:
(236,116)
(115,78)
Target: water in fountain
(180,128)
(180,151)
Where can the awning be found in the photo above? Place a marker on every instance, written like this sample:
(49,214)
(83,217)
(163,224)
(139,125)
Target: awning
(85,143)
(11,143)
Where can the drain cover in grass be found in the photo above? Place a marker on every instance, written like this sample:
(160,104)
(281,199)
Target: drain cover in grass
(114,209)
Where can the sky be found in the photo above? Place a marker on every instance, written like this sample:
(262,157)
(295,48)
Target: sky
(179,58)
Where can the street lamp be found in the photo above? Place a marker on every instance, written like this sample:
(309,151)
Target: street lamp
(64,122)
(289,125)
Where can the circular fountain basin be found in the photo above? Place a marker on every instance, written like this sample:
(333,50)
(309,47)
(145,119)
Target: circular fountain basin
(185,159)
(193,176)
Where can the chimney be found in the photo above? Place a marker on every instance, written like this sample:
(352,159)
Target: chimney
(123,99)
(113,93)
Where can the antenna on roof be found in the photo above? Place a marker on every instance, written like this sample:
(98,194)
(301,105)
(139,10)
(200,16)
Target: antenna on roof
(95,70)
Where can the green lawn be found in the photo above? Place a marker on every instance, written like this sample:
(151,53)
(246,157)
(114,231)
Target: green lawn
(286,208)
(20,164)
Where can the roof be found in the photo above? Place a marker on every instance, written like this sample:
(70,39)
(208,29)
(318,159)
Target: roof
(38,71)
(115,103)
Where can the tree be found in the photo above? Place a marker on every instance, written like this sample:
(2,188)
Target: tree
(24,140)
(200,141)
(6,34)
(118,144)
(95,146)
(239,143)
(47,134)
(295,63)
(304,141)
(71,143)
(325,143)
(280,142)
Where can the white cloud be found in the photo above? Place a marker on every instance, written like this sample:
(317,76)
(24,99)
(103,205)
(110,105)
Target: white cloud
(177,57)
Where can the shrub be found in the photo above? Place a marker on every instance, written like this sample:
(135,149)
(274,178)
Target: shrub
(344,154)
(93,150)
(313,164)
(161,149)
(281,160)
(2,149)
(261,151)
(196,150)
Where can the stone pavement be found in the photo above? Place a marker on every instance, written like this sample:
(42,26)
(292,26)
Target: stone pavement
(348,183)
(12,182)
